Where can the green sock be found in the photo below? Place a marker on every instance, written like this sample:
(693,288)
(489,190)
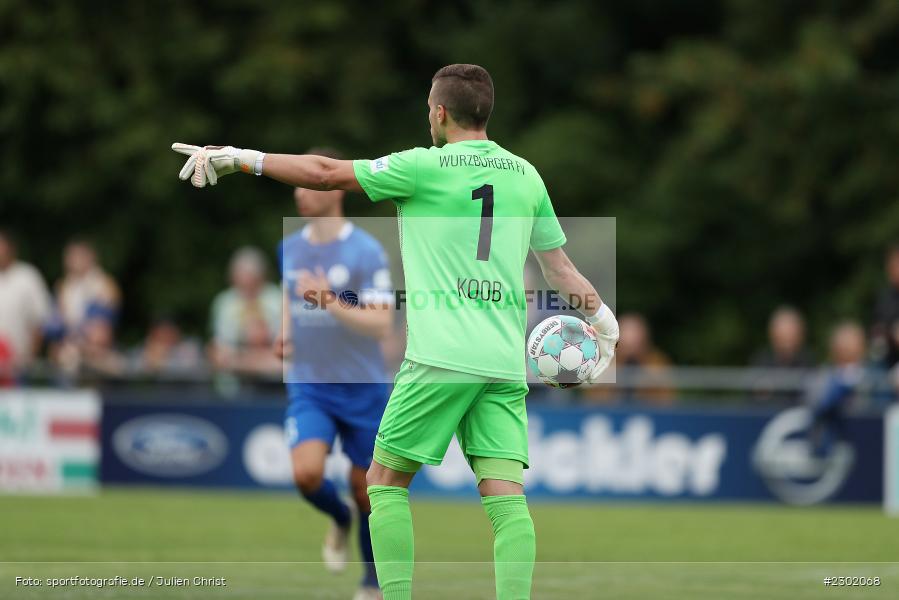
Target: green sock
(391,540)
(514,545)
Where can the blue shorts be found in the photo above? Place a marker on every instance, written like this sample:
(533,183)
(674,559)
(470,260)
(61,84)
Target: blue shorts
(324,411)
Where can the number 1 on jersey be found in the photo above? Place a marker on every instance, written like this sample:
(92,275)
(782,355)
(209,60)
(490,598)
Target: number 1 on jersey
(485,193)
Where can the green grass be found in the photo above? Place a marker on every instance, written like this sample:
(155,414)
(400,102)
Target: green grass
(267,546)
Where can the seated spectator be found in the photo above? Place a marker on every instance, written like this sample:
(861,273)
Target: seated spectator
(641,370)
(84,287)
(166,351)
(885,319)
(786,350)
(90,353)
(786,339)
(24,308)
(246,317)
(255,355)
(838,386)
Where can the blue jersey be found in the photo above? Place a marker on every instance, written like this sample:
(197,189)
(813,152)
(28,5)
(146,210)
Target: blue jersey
(324,351)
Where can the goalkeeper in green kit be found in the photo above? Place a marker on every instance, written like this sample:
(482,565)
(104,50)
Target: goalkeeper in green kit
(469,212)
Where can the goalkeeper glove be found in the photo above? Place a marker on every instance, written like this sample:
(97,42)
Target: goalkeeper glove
(605,325)
(206,164)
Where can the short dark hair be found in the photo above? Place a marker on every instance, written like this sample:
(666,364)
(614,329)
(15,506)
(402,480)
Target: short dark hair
(326,151)
(466,91)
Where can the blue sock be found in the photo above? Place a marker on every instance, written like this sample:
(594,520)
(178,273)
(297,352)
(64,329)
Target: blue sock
(370,576)
(325,499)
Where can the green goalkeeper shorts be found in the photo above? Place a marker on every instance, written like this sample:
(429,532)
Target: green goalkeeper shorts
(429,404)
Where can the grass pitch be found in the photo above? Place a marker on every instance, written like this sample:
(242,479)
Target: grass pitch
(267,546)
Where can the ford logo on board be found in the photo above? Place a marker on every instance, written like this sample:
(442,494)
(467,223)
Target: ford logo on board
(170,445)
(786,460)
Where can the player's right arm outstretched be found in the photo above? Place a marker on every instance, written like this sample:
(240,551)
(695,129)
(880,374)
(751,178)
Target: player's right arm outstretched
(205,164)
(561,274)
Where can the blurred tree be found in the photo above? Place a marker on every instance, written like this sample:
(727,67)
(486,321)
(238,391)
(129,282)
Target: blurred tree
(748,149)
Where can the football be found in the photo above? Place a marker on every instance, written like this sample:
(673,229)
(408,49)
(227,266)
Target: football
(561,351)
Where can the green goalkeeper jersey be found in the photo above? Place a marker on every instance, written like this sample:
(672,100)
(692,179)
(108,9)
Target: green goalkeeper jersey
(468,213)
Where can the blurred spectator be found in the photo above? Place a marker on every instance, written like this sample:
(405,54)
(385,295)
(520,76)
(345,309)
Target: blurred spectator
(885,321)
(24,308)
(786,350)
(167,352)
(641,370)
(255,355)
(786,339)
(838,386)
(847,345)
(90,352)
(85,287)
(246,317)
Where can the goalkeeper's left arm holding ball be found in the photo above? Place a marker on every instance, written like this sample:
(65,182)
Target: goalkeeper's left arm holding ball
(562,275)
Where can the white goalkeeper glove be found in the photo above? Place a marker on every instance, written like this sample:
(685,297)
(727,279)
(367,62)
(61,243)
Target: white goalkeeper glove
(605,325)
(206,164)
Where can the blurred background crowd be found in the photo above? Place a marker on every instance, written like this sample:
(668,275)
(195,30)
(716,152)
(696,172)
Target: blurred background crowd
(67,333)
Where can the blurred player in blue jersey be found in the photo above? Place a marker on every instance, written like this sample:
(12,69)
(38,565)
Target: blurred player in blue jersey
(338,302)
